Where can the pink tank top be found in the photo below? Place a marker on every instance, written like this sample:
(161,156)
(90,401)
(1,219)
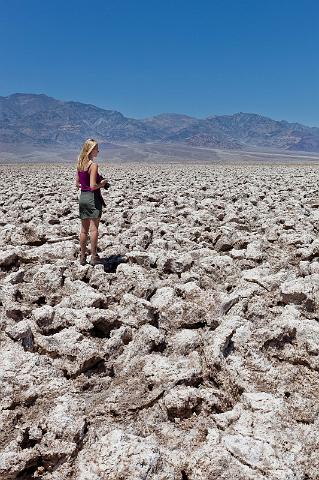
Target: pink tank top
(84,177)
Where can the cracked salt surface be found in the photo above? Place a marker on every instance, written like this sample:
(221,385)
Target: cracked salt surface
(190,353)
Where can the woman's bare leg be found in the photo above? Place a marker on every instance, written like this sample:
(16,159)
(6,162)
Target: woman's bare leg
(94,235)
(85,224)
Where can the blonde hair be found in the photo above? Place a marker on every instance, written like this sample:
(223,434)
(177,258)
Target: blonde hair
(84,156)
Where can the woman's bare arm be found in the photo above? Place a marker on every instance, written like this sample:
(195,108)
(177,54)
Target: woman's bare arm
(93,174)
(77,180)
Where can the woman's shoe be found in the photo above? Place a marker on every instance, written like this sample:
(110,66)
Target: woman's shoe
(95,261)
(83,260)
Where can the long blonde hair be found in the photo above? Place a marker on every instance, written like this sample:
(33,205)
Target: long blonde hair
(84,156)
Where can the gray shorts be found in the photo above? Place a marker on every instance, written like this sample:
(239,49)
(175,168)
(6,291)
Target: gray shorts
(90,205)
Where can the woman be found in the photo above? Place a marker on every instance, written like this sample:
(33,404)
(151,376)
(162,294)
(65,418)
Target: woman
(91,200)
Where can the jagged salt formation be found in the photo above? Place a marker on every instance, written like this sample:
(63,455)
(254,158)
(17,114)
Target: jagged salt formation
(192,353)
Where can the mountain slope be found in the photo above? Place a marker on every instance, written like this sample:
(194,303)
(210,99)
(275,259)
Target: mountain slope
(39,119)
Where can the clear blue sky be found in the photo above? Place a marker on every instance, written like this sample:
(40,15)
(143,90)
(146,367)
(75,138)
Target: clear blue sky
(144,57)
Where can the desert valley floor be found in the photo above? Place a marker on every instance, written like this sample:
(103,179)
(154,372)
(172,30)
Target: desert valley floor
(190,353)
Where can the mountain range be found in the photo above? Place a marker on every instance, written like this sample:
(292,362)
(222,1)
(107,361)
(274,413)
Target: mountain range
(41,120)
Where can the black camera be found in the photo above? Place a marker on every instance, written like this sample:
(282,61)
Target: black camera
(107,185)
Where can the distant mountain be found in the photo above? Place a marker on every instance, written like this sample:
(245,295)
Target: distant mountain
(42,120)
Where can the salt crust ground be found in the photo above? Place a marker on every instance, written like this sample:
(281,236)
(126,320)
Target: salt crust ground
(190,353)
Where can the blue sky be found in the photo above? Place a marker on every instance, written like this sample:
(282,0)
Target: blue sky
(145,57)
